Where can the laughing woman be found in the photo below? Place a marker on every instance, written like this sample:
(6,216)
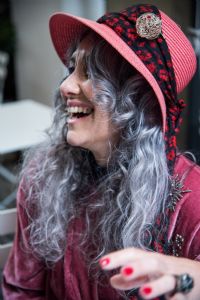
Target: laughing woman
(107,207)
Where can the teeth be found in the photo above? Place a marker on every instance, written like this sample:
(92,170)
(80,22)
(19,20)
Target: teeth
(77,109)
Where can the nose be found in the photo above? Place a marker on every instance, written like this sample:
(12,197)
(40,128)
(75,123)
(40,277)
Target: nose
(70,86)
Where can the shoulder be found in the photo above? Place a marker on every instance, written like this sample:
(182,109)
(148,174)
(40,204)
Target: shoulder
(185,220)
(189,171)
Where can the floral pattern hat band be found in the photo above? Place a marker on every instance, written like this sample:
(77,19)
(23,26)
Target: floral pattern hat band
(152,43)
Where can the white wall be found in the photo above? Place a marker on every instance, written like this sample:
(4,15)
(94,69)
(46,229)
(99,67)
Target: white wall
(38,69)
(91,9)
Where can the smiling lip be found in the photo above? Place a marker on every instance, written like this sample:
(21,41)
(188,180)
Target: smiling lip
(72,103)
(76,103)
(75,120)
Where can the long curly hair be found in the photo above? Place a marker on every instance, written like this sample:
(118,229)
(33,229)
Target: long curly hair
(116,204)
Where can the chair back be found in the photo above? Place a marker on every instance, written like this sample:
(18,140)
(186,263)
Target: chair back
(7,230)
(4,58)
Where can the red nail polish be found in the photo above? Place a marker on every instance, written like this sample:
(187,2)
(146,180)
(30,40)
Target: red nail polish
(147,290)
(104,262)
(127,271)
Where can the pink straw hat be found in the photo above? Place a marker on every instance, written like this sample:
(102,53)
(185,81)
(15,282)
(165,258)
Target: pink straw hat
(65,28)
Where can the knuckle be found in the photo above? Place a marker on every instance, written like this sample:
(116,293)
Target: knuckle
(155,264)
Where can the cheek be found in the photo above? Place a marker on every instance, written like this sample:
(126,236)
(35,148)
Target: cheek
(104,128)
(88,90)
(101,119)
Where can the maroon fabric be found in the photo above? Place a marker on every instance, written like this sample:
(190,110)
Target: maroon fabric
(156,57)
(185,220)
(26,277)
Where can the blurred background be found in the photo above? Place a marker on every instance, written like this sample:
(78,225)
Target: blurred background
(30,72)
(34,70)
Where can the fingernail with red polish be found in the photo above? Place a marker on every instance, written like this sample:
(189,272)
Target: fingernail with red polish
(104,262)
(147,290)
(127,271)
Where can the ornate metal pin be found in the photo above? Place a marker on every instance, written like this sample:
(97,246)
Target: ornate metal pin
(177,192)
(149,26)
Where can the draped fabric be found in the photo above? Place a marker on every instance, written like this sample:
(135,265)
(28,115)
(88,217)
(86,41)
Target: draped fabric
(155,55)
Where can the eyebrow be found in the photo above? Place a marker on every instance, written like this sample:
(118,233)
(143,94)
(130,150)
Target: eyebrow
(73,57)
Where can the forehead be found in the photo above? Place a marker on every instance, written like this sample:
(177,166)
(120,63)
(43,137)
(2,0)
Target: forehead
(84,48)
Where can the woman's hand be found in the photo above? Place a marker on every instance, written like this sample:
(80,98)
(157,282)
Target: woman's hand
(151,272)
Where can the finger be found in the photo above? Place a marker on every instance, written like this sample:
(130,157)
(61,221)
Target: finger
(178,296)
(122,257)
(118,282)
(151,267)
(161,286)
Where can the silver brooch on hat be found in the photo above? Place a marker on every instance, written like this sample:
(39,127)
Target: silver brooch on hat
(149,26)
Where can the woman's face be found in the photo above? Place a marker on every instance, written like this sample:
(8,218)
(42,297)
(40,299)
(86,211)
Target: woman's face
(88,125)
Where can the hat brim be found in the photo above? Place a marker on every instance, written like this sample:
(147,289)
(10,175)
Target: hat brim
(65,27)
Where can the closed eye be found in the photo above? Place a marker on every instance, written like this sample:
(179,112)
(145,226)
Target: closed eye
(81,63)
(71,69)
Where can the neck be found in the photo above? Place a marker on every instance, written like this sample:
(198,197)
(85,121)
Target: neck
(101,160)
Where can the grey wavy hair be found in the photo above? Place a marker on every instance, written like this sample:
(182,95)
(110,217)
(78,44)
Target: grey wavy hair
(115,204)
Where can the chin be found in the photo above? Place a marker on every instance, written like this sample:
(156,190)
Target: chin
(75,141)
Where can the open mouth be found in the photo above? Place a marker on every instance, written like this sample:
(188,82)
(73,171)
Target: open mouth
(79,112)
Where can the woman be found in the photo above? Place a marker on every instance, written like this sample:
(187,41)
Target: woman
(106,205)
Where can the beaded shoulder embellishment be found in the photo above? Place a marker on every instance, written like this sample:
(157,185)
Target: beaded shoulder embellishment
(177,192)
(177,245)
